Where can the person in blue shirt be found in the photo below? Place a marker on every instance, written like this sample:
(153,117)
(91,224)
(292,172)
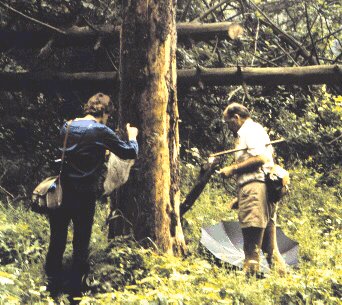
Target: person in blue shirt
(86,144)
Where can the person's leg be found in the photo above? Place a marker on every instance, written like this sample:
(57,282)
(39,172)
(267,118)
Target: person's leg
(82,221)
(59,221)
(271,250)
(252,240)
(253,219)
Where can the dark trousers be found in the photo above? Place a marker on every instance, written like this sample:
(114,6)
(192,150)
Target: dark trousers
(78,207)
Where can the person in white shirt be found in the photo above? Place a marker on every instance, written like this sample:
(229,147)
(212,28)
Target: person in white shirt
(257,216)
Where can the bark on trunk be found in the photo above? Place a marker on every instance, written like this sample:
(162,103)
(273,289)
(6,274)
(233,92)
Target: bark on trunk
(148,99)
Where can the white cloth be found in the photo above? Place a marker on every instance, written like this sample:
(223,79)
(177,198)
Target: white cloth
(117,173)
(254,137)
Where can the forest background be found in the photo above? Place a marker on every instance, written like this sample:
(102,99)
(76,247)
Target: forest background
(308,117)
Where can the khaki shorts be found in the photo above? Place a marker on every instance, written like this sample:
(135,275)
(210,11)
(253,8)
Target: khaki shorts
(254,211)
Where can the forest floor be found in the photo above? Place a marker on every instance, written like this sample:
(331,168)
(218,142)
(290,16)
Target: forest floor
(123,272)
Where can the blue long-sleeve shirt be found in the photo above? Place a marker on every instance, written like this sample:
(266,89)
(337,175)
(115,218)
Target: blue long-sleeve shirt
(87,143)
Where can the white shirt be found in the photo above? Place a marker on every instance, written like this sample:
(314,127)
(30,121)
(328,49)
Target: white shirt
(253,136)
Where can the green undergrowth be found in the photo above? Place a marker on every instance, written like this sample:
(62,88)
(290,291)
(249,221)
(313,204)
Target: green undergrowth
(123,272)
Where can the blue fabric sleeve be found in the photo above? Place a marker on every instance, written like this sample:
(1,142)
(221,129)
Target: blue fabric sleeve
(123,149)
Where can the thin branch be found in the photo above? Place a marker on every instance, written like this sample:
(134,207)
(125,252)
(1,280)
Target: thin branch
(212,9)
(337,58)
(292,20)
(288,38)
(214,49)
(323,16)
(46,50)
(217,51)
(94,28)
(330,60)
(224,8)
(328,35)
(256,41)
(206,4)
(281,56)
(334,140)
(309,31)
(314,21)
(232,17)
(185,10)
(311,26)
(261,58)
(287,53)
(99,40)
(276,6)
(32,19)
(208,7)
(6,192)
(232,93)
(328,27)
(110,59)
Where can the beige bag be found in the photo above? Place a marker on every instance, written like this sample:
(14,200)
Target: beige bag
(117,173)
(47,195)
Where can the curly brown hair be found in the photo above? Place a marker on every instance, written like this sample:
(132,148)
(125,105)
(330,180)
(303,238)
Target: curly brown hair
(98,105)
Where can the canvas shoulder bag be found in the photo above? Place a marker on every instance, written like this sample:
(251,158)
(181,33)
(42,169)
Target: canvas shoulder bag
(48,194)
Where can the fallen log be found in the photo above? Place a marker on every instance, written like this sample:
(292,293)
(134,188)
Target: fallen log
(300,76)
(86,36)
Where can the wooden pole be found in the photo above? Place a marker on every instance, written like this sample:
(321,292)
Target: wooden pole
(230,151)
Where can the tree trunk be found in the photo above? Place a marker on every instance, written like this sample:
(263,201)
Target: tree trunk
(149,202)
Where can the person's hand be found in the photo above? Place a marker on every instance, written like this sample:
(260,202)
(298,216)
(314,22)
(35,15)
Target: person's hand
(107,155)
(132,132)
(234,204)
(227,171)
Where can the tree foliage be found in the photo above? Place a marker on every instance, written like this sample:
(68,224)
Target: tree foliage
(281,33)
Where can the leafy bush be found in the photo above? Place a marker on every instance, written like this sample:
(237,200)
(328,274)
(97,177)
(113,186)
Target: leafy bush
(22,236)
(120,264)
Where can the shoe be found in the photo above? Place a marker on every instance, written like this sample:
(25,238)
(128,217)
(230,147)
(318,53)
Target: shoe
(74,299)
(251,267)
(54,286)
(279,266)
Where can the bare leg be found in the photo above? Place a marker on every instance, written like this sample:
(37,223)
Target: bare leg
(270,249)
(252,240)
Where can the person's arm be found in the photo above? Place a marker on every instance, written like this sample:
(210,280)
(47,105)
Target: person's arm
(243,167)
(256,142)
(123,149)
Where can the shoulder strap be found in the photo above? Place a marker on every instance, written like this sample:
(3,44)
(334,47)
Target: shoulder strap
(64,146)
